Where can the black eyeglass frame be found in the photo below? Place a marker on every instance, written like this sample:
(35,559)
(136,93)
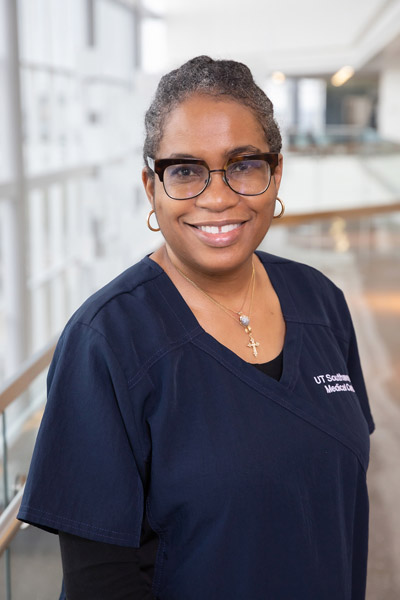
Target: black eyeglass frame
(159,165)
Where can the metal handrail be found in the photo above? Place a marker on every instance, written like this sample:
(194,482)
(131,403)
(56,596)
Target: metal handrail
(10,390)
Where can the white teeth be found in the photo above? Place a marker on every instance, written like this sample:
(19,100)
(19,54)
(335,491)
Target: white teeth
(209,229)
(214,229)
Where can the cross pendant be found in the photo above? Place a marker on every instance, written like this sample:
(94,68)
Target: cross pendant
(253,345)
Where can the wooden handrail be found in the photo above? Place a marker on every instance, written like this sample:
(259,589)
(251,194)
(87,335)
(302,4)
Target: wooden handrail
(28,371)
(10,390)
(9,525)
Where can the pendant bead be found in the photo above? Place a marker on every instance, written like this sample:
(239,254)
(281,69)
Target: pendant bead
(244,320)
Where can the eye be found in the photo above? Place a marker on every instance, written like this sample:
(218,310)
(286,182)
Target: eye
(245,167)
(185,172)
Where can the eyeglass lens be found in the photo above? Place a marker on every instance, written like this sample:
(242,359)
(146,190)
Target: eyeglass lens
(247,177)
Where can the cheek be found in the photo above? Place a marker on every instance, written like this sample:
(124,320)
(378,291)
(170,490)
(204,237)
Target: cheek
(168,211)
(160,201)
(265,206)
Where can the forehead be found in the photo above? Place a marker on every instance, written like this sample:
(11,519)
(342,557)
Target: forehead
(203,125)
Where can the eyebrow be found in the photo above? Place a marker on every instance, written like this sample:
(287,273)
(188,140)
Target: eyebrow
(182,155)
(244,150)
(234,152)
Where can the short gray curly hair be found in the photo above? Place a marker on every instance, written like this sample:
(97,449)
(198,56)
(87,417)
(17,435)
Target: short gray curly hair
(203,75)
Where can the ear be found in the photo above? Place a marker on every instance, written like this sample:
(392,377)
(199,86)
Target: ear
(277,177)
(148,183)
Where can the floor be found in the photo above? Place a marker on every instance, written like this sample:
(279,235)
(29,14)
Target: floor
(363,259)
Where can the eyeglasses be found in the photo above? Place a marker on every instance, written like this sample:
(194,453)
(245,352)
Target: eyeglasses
(245,174)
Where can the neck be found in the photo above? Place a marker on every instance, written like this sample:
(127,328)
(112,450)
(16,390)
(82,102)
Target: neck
(224,284)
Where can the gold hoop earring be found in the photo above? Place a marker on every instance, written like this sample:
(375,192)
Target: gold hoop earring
(282,209)
(148,221)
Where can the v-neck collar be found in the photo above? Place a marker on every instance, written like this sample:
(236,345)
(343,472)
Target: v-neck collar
(205,341)
(281,392)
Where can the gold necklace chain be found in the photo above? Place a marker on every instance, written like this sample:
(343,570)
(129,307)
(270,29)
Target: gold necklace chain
(224,308)
(244,320)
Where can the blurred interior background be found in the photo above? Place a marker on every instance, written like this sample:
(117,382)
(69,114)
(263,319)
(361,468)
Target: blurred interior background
(75,80)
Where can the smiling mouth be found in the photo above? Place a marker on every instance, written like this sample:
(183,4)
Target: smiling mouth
(216,229)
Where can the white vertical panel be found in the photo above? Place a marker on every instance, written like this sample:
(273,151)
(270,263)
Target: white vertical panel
(114,39)
(39,311)
(37,264)
(15,245)
(68,32)
(57,256)
(388,108)
(36,30)
(57,302)
(3,349)
(5,167)
(312,105)
(36,225)
(154,45)
(56,225)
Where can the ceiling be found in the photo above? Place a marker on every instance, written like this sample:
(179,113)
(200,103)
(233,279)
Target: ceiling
(307,37)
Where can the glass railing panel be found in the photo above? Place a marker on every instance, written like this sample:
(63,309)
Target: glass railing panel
(326,182)
(35,567)
(3,250)
(22,420)
(386,167)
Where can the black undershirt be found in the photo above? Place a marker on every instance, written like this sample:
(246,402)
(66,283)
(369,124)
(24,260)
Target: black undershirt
(100,571)
(272,368)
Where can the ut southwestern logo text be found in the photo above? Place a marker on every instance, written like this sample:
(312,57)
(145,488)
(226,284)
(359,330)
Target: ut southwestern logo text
(326,380)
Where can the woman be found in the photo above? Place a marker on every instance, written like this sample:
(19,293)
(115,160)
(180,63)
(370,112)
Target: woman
(208,404)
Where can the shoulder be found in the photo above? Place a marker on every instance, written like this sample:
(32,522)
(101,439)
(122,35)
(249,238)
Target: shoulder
(298,272)
(129,317)
(126,287)
(316,299)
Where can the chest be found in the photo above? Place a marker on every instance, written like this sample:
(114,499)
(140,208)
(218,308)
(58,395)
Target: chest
(258,341)
(221,428)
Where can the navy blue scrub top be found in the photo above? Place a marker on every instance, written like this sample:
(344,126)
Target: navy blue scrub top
(256,487)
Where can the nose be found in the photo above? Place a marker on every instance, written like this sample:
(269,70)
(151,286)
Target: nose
(217,196)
